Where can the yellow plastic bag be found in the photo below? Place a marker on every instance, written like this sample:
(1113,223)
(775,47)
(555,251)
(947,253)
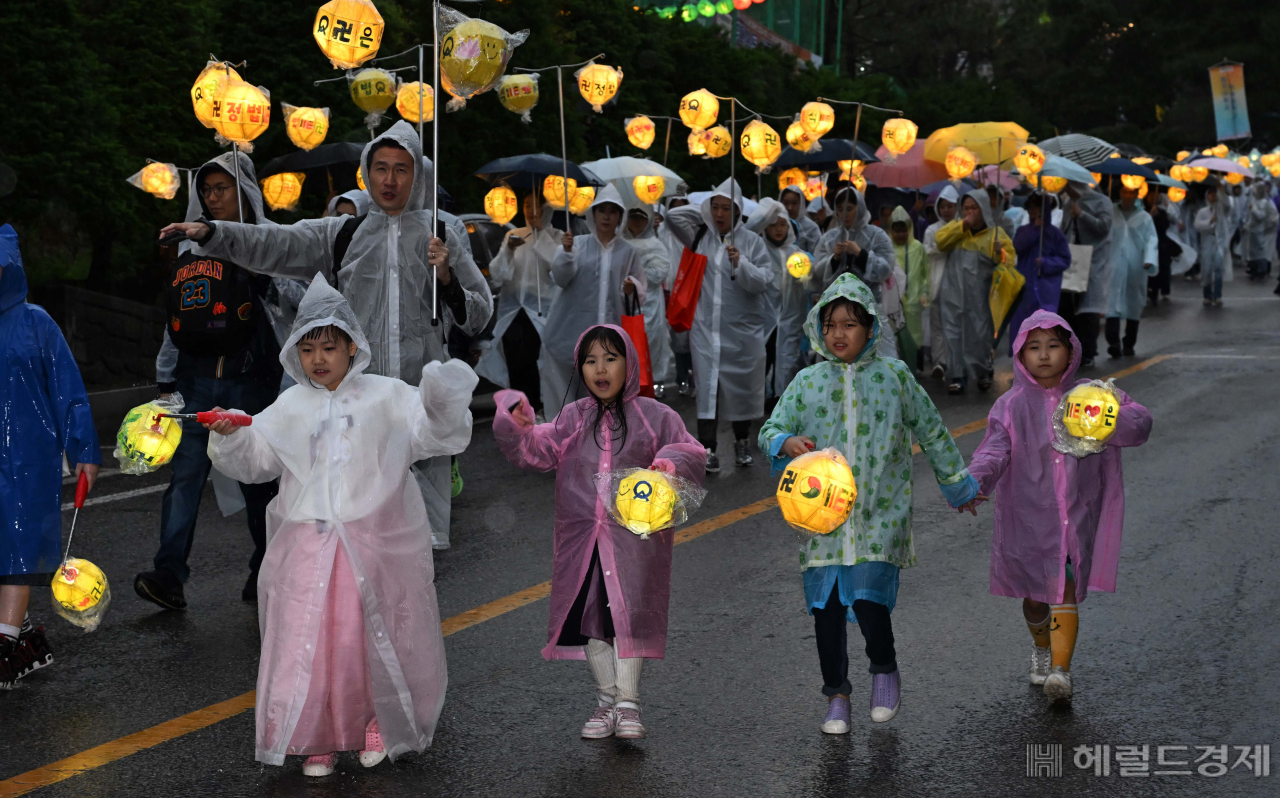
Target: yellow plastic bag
(1006,287)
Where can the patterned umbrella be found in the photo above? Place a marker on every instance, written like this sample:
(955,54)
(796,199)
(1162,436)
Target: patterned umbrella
(1084,150)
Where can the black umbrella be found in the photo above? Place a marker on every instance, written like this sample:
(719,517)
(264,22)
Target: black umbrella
(526,171)
(1130,150)
(343,152)
(1122,166)
(825,160)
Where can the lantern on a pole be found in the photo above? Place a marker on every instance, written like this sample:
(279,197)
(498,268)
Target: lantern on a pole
(473,55)
(408,101)
(697,142)
(553,191)
(899,136)
(157,179)
(699,109)
(501,204)
(1177,194)
(799,138)
(761,144)
(241,113)
(283,190)
(1029,160)
(349,32)
(1051,184)
(791,177)
(307,127)
(211,81)
(598,84)
(1133,182)
(850,169)
(519,94)
(581,200)
(960,163)
(640,131)
(817,118)
(373,91)
(717,141)
(649,188)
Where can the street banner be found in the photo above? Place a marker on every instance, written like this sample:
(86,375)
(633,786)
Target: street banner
(1229,108)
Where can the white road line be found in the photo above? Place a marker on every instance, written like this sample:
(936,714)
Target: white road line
(1228,357)
(115,497)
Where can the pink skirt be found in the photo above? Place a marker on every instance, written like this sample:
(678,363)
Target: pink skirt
(339,701)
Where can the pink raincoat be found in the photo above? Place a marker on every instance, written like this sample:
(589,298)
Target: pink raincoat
(637,573)
(1050,505)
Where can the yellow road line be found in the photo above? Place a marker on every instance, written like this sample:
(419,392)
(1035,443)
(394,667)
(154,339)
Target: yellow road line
(201,718)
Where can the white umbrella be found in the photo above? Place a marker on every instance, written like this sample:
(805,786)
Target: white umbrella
(1220,165)
(1057,166)
(625,168)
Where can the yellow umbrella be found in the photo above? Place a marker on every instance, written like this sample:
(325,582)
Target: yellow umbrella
(991,142)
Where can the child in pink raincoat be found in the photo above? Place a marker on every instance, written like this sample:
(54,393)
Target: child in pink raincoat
(609,588)
(1057,518)
(352,652)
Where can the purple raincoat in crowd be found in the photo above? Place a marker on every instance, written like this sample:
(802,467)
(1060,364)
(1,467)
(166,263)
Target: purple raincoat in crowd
(637,573)
(1049,505)
(1044,284)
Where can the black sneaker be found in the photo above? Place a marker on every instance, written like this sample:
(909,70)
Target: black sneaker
(1086,363)
(34,650)
(250,592)
(160,588)
(10,663)
(713,463)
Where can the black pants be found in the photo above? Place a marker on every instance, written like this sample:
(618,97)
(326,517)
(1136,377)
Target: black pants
(684,367)
(521,345)
(707,428)
(830,627)
(1085,324)
(594,622)
(1130,332)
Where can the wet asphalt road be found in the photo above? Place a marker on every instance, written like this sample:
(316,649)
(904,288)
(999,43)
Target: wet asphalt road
(1183,654)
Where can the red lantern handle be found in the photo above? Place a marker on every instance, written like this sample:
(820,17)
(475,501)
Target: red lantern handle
(82,489)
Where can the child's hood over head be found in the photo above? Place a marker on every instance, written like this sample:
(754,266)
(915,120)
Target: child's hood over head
(1044,320)
(863,215)
(323,306)
(13,278)
(632,389)
(849,287)
(769,212)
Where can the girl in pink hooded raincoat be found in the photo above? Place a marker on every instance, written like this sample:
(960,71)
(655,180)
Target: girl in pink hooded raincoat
(1058,518)
(608,585)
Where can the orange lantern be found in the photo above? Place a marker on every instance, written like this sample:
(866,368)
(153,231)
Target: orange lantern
(360,180)
(718,141)
(640,132)
(553,191)
(697,146)
(598,84)
(850,169)
(283,190)
(699,109)
(817,119)
(501,204)
(1053,185)
(1029,160)
(791,177)
(581,200)
(1184,155)
(899,135)
(1220,151)
(1199,174)
(211,81)
(814,187)
(1274,169)
(1233,178)
(1097,178)
(799,138)
(158,180)
(1133,182)
(407,101)
(349,32)
(761,144)
(306,127)
(1177,194)
(859,182)
(960,163)
(241,113)
(649,188)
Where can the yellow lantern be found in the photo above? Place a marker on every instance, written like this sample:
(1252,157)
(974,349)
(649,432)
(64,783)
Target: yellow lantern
(640,132)
(814,187)
(645,502)
(1177,194)
(1244,161)
(373,90)
(850,169)
(306,127)
(1143,189)
(1029,160)
(1270,159)
(81,593)
(718,141)
(349,32)
(799,138)
(1134,182)
(761,144)
(649,188)
(1199,174)
(1233,178)
(1114,155)
(699,109)
(817,119)
(360,180)
(501,204)
(553,191)
(960,163)
(1220,151)
(1097,178)
(791,177)
(282,191)
(473,55)
(1143,160)
(1178,172)
(1183,155)
(519,94)
(598,84)
(817,491)
(899,135)
(241,113)
(799,264)
(212,79)
(157,179)
(1090,412)
(407,101)
(697,145)
(143,442)
(582,200)
(1274,169)
(1053,185)
(859,182)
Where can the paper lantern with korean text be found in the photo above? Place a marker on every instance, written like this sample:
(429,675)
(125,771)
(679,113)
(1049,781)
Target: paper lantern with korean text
(501,204)
(349,32)
(699,109)
(598,84)
(407,101)
(553,191)
(307,127)
(212,79)
(519,94)
(761,144)
(241,113)
(640,131)
(899,135)
(283,190)
(960,163)
(649,188)
(817,491)
(817,118)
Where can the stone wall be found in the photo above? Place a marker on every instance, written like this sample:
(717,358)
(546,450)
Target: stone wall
(114,340)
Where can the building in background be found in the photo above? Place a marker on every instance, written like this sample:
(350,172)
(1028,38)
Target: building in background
(804,28)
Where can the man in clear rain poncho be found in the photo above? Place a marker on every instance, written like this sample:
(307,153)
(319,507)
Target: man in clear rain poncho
(386,273)
(1086,220)
(655,258)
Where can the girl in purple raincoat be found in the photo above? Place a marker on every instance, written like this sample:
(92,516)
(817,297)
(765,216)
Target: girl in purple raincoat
(1057,518)
(609,588)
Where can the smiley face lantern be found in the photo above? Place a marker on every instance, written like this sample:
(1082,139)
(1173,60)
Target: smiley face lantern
(816,492)
(81,593)
(645,502)
(473,55)
(1029,160)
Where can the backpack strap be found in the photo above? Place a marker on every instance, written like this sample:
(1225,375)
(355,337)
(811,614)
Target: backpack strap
(343,242)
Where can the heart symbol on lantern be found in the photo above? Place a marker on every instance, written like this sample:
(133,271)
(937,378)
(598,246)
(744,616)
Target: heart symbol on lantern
(1093,410)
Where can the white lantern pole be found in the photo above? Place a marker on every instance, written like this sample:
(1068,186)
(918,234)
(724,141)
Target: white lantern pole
(435,142)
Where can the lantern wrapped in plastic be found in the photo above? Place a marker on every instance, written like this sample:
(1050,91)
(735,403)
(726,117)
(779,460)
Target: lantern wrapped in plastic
(640,131)
(799,264)
(519,95)
(649,188)
(473,55)
(697,142)
(241,113)
(643,501)
(1085,418)
(157,179)
(501,204)
(145,442)
(1267,160)
(81,593)
(817,119)
(1133,181)
(718,141)
(761,145)
(306,127)
(814,187)
(801,139)
(699,109)
(408,102)
(791,177)
(581,200)
(816,492)
(898,136)
(1029,160)
(1177,194)
(960,163)
(349,32)
(598,84)
(850,169)
(283,190)
(1199,174)
(553,191)
(212,79)
(1051,184)
(373,91)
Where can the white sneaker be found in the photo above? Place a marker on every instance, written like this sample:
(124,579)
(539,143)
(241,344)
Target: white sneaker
(601,724)
(1041,662)
(1058,684)
(629,726)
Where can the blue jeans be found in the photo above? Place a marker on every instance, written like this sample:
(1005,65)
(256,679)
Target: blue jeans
(1211,280)
(191,467)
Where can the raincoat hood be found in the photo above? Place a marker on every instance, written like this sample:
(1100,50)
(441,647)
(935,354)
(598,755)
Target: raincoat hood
(949,194)
(608,195)
(729,190)
(406,136)
(648,231)
(863,217)
(1259,191)
(795,189)
(900,215)
(13,280)
(849,287)
(818,204)
(323,306)
(979,195)
(632,388)
(1044,320)
(240,166)
(357,197)
(769,212)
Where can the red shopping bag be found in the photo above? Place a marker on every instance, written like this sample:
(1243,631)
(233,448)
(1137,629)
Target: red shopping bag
(687,286)
(633,326)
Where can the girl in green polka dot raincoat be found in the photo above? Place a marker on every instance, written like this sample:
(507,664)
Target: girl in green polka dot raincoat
(865,406)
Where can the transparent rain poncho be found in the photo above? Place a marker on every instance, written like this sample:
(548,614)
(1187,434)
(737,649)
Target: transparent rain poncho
(349,518)
(646,501)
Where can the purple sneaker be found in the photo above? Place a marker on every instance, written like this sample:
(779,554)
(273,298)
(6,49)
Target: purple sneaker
(884,696)
(837,720)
